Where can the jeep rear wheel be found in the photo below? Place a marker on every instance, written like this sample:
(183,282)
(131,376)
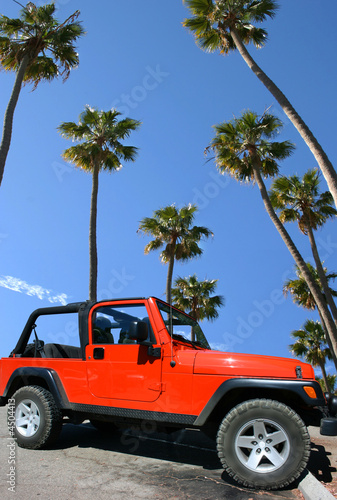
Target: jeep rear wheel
(263,444)
(38,421)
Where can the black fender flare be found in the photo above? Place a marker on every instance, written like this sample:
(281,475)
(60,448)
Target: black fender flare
(48,375)
(293,386)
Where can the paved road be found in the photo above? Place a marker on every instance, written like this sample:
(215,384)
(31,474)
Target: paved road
(85,464)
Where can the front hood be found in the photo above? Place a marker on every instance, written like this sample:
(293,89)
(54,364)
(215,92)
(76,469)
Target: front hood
(249,365)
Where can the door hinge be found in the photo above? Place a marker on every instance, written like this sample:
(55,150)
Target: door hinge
(154,351)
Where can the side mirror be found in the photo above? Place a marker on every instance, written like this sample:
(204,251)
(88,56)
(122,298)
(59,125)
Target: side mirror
(138,330)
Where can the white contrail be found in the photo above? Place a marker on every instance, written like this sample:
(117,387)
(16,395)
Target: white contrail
(18,285)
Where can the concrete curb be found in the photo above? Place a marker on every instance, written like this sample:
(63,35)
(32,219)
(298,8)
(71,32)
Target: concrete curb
(312,489)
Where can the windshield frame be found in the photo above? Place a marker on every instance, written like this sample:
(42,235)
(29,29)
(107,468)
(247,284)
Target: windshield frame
(200,338)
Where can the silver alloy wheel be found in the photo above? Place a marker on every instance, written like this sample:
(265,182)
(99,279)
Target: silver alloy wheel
(27,418)
(262,445)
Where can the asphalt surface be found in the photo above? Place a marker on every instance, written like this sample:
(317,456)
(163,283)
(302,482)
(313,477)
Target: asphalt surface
(322,467)
(85,464)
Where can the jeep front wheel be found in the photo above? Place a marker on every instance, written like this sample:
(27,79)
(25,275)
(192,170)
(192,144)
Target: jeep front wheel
(263,444)
(38,421)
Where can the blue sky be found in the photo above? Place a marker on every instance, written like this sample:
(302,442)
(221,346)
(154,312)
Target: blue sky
(137,57)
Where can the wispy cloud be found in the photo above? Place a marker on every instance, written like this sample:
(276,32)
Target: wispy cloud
(18,285)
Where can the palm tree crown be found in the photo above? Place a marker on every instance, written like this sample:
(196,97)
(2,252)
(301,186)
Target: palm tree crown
(173,230)
(299,200)
(37,36)
(310,343)
(99,134)
(300,291)
(244,144)
(213,22)
(194,297)
(37,47)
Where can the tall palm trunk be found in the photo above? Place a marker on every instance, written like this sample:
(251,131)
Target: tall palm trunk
(327,338)
(322,159)
(93,236)
(325,378)
(169,279)
(9,114)
(321,274)
(318,297)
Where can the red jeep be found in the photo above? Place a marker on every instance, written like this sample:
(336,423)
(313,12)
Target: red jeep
(141,359)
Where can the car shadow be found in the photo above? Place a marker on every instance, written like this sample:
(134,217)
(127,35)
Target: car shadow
(319,464)
(186,446)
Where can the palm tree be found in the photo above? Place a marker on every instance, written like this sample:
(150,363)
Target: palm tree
(310,344)
(194,297)
(99,134)
(302,296)
(243,148)
(300,291)
(37,47)
(331,379)
(226,25)
(173,230)
(299,200)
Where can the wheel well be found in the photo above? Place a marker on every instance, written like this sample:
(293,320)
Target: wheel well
(19,382)
(239,395)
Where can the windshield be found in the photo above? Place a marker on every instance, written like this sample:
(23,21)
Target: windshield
(181,326)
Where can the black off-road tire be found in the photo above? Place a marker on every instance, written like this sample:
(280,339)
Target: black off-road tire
(263,444)
(38,421)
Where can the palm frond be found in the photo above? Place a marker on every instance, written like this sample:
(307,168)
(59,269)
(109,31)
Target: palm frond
(310,343)
(48,45)
(212,22)
(301,197)
(194,297)
(299,290)
(174,228)
(100,135)
(246,142)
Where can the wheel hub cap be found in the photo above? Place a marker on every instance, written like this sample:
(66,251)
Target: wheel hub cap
(27,418)
(262,445)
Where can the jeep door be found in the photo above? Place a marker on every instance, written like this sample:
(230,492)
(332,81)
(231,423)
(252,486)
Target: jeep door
(118,366)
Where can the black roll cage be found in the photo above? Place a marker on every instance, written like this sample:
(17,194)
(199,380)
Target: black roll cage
(82,308)
(76,307)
